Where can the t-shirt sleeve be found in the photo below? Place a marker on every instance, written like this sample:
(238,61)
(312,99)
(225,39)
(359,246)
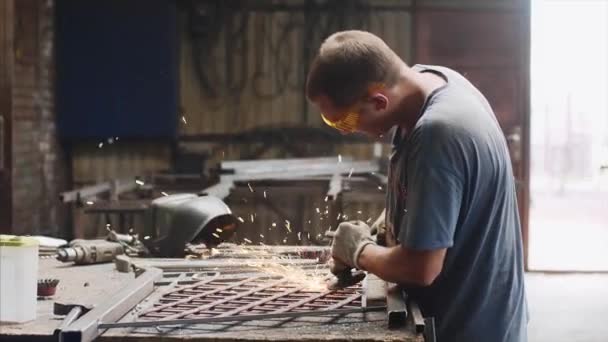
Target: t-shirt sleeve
(434,191)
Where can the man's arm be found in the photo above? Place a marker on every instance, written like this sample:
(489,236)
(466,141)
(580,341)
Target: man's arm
(402,265)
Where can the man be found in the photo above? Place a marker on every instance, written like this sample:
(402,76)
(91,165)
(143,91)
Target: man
(453,231)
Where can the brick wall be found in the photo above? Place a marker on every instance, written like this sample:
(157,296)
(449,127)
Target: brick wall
(38,168)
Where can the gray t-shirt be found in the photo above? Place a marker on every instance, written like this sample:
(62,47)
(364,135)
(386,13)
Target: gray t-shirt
(451,186)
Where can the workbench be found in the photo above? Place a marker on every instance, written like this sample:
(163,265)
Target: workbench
(94,283)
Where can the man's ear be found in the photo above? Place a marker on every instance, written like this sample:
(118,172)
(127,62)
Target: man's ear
(380,101)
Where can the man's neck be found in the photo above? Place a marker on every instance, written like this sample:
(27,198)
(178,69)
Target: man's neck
(414,88)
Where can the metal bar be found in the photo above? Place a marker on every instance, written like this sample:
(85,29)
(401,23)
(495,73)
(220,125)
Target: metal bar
(143,324)
(120,186)
(416,316)
(125,185)
(260,302)
(226,299)
(295,171)
(270,164)
(87,327)
(200,295)
(311,179)
(345,301)
(87,191)
(396,308)
(374,290)
(69,319)
(429,332)
(223,276)
(301,302)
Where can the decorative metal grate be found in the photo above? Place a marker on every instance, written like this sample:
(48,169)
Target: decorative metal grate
(232,295)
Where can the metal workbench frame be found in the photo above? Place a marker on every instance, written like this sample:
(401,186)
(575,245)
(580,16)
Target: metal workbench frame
(86,328)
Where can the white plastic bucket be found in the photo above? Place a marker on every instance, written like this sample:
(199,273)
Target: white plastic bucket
(18,278)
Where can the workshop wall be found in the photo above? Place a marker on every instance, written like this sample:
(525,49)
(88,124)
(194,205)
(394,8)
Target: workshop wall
(254,82)
(38,172)
(95,163)
(244,70)
(249,72)
(260,80)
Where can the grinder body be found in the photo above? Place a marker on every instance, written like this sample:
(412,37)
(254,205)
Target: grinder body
(84,252)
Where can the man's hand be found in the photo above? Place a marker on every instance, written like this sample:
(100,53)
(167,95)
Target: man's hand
(349,240)
(336,266)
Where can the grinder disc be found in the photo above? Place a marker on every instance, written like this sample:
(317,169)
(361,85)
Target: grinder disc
(345,280)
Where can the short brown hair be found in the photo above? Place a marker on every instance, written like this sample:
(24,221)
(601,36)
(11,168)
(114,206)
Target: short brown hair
(347,64)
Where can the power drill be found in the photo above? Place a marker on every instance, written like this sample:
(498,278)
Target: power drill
(84,252)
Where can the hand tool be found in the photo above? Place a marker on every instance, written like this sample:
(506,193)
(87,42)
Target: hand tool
(345,278)
(85,252)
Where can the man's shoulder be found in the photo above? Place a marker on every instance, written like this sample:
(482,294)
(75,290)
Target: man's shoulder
(438,126)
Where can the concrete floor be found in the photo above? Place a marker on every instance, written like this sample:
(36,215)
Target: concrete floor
(569,231)
(568,308)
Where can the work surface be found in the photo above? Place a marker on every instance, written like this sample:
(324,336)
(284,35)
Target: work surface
(91,284)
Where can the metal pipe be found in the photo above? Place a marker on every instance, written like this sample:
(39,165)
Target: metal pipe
(417,316)
(396,308)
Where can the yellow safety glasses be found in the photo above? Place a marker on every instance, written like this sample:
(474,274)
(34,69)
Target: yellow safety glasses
(349,122)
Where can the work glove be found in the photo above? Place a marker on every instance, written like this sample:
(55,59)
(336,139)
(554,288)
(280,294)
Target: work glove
(378,229)
(349,240)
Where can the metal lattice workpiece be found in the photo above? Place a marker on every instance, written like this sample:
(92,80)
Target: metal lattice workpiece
(251,295)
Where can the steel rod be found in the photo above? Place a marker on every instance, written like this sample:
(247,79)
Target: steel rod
(143,324)
(345,301)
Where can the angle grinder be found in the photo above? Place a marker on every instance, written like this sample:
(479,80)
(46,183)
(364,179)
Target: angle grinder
(346,278)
